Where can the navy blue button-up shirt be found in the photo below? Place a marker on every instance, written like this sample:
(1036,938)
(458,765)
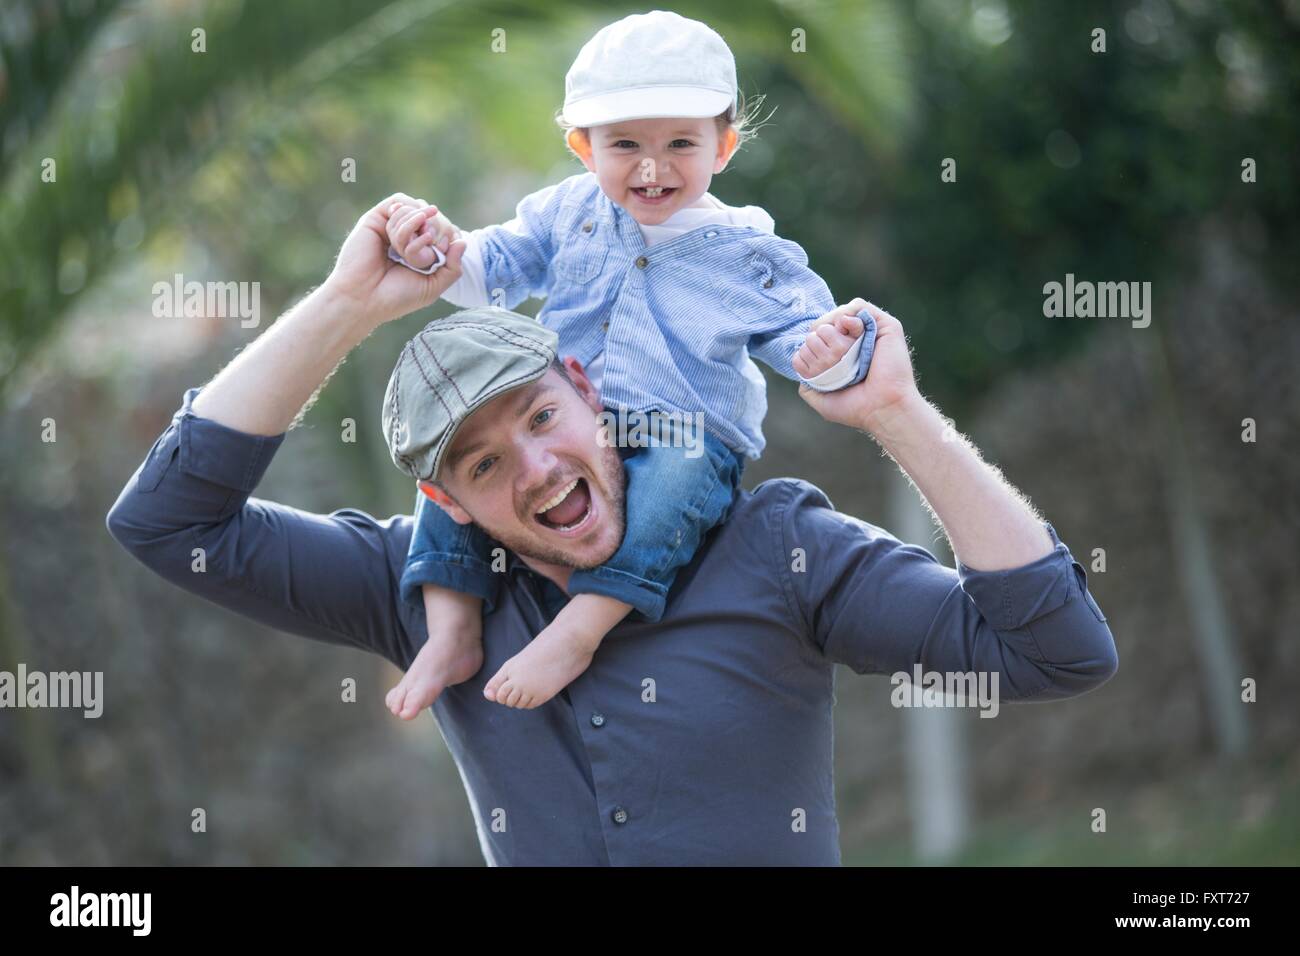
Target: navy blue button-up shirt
(705,738)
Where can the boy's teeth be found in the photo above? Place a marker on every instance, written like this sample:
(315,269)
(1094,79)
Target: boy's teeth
(559,496)
(653,190)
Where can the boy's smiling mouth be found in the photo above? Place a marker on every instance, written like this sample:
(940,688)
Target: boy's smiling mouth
(654,195)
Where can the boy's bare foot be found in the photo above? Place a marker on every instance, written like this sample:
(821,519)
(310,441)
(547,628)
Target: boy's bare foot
(448,657)
(556,656)
(541,670)
(452,653)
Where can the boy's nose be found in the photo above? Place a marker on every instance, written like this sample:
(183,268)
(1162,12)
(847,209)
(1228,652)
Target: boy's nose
(653,169)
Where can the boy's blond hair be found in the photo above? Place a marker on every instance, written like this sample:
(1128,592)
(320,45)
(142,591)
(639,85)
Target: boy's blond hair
(740,118)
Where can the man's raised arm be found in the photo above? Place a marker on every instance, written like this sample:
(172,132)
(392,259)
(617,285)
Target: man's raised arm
(262,391)
(1018,602)
(989,525)
(186,512)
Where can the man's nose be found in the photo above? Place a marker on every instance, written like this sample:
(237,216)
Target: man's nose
(536,466)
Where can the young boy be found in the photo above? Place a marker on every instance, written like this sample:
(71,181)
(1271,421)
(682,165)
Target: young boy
(662,293)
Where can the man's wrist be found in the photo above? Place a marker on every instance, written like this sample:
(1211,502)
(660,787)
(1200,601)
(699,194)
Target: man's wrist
(330,303)
(899,419)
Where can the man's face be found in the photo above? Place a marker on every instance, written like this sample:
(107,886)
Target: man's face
(529,470)
(674,158)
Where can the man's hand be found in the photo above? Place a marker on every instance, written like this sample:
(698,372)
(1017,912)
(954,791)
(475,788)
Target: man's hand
(415,229)
(379,287)
(890,382)
(829,340)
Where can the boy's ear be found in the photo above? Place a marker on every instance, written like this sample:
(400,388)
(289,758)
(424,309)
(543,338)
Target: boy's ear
(578,141)
(445,502)
(726,149)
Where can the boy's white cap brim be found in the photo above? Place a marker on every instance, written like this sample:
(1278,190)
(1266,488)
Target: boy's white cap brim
(647,102)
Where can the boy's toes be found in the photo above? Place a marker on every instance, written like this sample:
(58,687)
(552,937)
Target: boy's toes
(418,698)
(501,694)
(493,687)
(410,707)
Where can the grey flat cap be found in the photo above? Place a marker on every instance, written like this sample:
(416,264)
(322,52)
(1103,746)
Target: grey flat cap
(450,369)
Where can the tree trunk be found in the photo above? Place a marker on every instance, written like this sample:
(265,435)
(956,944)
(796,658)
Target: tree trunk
(933,737)
(1193,554)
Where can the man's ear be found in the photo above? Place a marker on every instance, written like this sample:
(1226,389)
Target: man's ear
(726,149)
(583,384)
(579,142)
(444,501)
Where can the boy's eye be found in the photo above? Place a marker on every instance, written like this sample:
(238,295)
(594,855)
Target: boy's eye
(681,144)
(625,144)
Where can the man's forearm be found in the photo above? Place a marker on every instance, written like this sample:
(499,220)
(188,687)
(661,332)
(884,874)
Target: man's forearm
(990,526)
(262,391)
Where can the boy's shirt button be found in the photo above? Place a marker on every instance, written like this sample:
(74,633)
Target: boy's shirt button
(586,227)
(641,262)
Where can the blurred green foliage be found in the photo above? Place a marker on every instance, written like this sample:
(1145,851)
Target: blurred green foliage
(1067,160)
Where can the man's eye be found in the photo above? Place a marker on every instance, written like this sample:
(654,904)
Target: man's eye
(482,467)
(544,416)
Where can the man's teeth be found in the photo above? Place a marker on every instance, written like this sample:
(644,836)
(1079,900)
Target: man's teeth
(559,496)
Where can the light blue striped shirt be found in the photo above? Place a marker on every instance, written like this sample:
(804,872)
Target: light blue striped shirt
(675,323)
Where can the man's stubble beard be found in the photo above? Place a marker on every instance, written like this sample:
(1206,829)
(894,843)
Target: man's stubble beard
(614,479)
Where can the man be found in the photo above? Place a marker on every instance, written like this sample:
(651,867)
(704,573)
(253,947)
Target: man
(702,739)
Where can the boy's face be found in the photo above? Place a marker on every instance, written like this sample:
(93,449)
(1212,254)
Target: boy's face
(523,450)
(654,167)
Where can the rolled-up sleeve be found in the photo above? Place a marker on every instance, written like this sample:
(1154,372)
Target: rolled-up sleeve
(880,606)
(186,514)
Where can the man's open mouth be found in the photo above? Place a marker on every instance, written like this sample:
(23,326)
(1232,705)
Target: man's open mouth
(568,509)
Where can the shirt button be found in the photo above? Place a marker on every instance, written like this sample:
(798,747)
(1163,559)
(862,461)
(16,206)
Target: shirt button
(767,284)
(586,227)
(710,234)
(597,720)
(605,325)
(641,262)
(619,815)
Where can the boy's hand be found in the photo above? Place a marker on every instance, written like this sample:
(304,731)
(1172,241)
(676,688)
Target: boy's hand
(890,385)
(830,339)
(376,288)
(415,228)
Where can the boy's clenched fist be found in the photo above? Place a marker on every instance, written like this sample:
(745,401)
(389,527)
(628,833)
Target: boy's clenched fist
(830,339)
(414,231)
